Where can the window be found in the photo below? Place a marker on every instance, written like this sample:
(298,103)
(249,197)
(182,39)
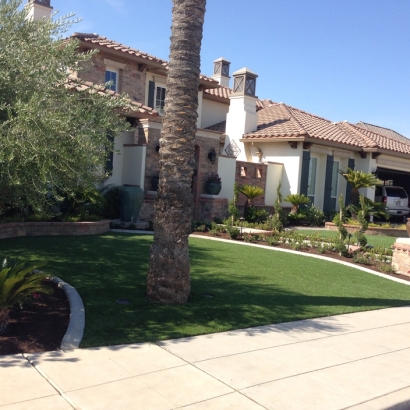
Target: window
(312,179)
(335,180)
(112,76)
(160,99)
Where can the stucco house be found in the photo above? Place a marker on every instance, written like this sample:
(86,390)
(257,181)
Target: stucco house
(257,142)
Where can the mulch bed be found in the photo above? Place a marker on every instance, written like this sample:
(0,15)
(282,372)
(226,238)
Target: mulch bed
(314,251)
(39,327)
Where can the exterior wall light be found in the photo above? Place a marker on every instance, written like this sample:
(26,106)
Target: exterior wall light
(212,155)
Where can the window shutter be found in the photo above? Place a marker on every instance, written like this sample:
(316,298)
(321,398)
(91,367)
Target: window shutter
(304,176)
(327,202)
(350,165)
(151,92)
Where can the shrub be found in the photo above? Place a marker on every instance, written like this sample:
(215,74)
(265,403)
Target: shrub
(233,232)
(17,282)
(111,194)
(362,259)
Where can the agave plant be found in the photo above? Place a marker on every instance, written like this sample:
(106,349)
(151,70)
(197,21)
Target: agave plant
(251,192)
(296,200)
(16,283)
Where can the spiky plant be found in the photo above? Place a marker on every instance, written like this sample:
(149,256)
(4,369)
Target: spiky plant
(251,192)
(359,179)
(296,200)
(16,283)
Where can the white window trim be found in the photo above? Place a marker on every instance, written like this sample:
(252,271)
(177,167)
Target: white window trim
(159,85)
(116,71)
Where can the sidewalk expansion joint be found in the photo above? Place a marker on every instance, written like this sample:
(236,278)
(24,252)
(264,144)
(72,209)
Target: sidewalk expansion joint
(52,384)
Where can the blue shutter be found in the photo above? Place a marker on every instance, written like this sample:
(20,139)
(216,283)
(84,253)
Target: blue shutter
(327,201)
(151,91)
(350,164)
(304,176)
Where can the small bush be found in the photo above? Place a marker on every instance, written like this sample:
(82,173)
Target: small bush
(386,267)
(362,259)
(233,232)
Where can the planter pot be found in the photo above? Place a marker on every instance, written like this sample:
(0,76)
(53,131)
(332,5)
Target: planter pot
(408,226)
(131,199)
(213,188)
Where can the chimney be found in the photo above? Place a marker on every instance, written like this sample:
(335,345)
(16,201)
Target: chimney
(242,117)
(39,9)
(221,71)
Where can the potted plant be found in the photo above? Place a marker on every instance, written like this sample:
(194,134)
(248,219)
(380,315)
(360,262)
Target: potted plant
(213,184)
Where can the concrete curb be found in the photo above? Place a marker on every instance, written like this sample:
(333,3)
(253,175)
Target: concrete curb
(75,330)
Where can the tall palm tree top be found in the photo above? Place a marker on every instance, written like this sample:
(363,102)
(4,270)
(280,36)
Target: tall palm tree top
(359,179)
(251,191)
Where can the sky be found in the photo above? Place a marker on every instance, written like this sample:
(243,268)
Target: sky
(338,59)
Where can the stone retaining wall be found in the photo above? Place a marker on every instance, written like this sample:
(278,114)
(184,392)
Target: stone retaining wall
(370,231)
(16,229)
(401,256)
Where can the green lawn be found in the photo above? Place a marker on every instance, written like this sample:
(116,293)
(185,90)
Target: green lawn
(374,240)
(250,286)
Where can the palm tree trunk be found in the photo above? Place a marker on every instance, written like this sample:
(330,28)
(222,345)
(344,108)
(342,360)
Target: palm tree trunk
(168,279)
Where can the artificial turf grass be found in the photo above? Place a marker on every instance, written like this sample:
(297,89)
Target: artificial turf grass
(249,286)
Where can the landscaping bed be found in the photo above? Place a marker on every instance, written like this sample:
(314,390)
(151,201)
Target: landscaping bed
(40,326)
(371,230)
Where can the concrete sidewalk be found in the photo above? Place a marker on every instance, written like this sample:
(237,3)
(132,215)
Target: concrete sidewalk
(355,361)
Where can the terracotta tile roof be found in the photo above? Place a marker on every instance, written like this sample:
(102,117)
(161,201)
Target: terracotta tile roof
(133,107)
(219,94)
(386,132)
(104,42)
(381,141)
(219,127)
(276,121)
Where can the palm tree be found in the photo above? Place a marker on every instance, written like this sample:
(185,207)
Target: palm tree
(296,200)
(168,279)
(357,180)
(251,192)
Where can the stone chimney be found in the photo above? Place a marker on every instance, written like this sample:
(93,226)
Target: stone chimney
(242,117)
(39,9)
(221,71)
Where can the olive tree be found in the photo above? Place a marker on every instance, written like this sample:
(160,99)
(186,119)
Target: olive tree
(53,130)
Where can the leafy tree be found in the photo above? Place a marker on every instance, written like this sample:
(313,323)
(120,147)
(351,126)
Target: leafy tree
(168,279)
(251,192)
(359,179)
(53,130)
(296,200)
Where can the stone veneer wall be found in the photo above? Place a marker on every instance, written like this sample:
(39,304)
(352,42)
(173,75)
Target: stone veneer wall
(131,80)
(401,258)
(211,207)
(15,229)
(255,175)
